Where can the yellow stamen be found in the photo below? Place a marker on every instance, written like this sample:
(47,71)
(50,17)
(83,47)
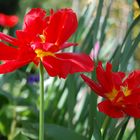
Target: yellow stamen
(112,94)
(43,38)
(126,91)
(40,53)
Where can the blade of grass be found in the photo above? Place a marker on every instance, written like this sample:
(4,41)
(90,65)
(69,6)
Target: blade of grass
(122,131)
(103,28)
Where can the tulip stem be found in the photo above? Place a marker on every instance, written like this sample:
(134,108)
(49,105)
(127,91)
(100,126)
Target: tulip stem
(41,113)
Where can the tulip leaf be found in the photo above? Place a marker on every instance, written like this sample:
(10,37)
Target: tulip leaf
(114,130)
(97,132)
(91,36)
(20,137)
(135,22)
(131,134)
(97,21)
(124,51)
(129,53)
(92,113)
(71,99)
(103,28)
(137,128)
(52,132)
(122,131)
(4,100)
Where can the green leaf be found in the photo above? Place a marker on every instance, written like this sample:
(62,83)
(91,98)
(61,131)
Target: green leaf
(92,113)
(97,20)
(71,99)
(5,97)
(123,52)
(6,116)
(61,133)
(92,34)
(20,137)
(114,130)
(137,128)
(123,129)
(115,59)
(128,53)
(103,28)
(84,20)
(3,100)
(135,22)
(97,132)
(52,132)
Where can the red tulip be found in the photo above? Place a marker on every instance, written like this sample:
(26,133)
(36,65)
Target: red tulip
(42,39)
(8,20)
(121,92)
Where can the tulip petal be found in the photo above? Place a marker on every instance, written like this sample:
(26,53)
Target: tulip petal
(51,47)
(110,110)
(117,79)
(10,66)
(103,79)
(133,79)
(132,99)
(7,52)
(9,39)
(93,85)
(133,110)
(8,21)
(67,63)
(61,26)
(68,44)
(34,19)
(108,75)
(25,37)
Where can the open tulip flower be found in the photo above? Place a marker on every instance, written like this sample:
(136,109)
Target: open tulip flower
(42,39)
(8,20)
(121,92)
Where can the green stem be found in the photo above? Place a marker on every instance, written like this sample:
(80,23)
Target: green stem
(41,114)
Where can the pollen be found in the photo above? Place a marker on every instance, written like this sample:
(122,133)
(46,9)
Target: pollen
(111,95)
(40,53)
(43,38)
(126,91)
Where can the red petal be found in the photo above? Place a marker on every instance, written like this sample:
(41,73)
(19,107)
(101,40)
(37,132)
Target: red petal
(8,39)
(26,53)
(109,75)
(93,85)
(132,80)
(25,37)
(7,52)
(117,79)
(35,21)
(61,26)
(110,110)
(67,63)
(103,78)
(132,99)
(135,90)
(8,21)
(52,47)
(68,44)
(10,66)
(133,110)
